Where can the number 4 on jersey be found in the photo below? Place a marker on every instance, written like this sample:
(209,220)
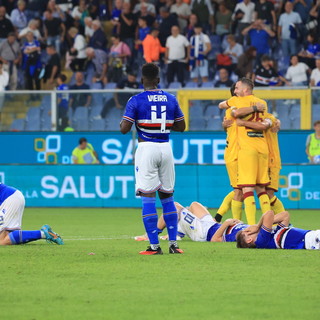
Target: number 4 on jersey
(161,120)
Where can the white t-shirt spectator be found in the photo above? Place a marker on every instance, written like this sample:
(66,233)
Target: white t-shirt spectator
(315,76)
(80,45)
(285,21)
(297,73)
(248,11)
(177,47)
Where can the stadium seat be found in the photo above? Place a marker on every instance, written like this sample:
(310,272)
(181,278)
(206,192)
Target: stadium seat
(97,97)
(17,125)
(208,85)
(212,112)
(95,111)
(97,125)
(175,85)
(191,84)
(46,124)
(214,124)
(197,124)
(196,112)
(33,119)
(110,85)
(315,112)
(80,119)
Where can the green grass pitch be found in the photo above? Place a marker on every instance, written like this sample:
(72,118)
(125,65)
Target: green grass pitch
(210,281)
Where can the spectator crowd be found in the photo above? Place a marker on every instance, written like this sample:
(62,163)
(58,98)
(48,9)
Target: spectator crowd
(193,41)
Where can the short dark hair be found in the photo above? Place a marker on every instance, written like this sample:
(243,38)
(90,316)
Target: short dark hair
(150,71)
(265,58)
(316,122)
(232,88)
(247,82)
(51,46)
(62,77)
(241,243)
(81,140)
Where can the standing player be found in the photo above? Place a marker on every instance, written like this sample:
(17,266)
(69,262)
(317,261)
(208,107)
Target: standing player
(155,113)
(274,158)
(262,236)
(253,149)
(11,210)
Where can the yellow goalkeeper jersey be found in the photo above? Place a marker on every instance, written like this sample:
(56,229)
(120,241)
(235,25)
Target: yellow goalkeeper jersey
(232,148)
(249,138)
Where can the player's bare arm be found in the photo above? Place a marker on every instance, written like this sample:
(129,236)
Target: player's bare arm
(264,125)
(218,236)
(179,126)
(226,123)
(283,218)
(223,105)
(242,112)
(125,126)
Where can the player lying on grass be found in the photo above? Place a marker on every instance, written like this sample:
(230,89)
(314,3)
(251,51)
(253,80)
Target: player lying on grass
(262,236)
(12,204)
(198,224)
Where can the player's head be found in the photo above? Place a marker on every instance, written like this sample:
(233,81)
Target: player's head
(245,240)
(232,88)
(150,76)
(83,143)
(243,87)
(61,78)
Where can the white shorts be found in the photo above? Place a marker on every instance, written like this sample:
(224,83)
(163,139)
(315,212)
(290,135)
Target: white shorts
(312,240)
(201,71)
(11,211)
(154,167)
(196,229)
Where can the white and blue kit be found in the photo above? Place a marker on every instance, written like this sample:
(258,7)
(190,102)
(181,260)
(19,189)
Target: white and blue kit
(12,205)
(154,113)
(288,238)
(204,229)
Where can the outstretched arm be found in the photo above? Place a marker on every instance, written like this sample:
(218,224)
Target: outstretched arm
(264,125)
(241,112)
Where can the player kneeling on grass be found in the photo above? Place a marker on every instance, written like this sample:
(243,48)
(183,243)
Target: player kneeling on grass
(262,236)
(12,204)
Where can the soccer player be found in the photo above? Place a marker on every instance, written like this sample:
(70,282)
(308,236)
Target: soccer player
(155,113)
(274,158)
(262,236)
(235,197)
(197,223)
(12,204)
(253,149)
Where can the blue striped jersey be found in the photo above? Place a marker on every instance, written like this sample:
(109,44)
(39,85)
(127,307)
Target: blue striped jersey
(281,238)
(231,232)
(5,192)
(154,113)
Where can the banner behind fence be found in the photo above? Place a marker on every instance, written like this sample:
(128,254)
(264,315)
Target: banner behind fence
(113,185)
(115,148)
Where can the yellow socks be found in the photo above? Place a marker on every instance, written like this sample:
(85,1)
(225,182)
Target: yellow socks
(236,209)
(264,202)
(276,205)
(226,203)
(250,207)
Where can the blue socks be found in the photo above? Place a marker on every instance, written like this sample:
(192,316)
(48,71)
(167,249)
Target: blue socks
(19,236)
(170,217)
(150,219)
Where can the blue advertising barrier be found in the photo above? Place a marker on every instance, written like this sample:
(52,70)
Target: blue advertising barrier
(113,185)
(115,148)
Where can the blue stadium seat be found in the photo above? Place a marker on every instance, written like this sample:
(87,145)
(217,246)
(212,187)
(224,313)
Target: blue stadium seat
(46,124)
(191,84)
(80,119)
(98,125)
(95,111)
(196,112)
(212,112)
(197,124)
(175,85)
(208,85)
(17,125)
(97,97)
(315,112)
(110,85)
(214,124)
(33,119)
